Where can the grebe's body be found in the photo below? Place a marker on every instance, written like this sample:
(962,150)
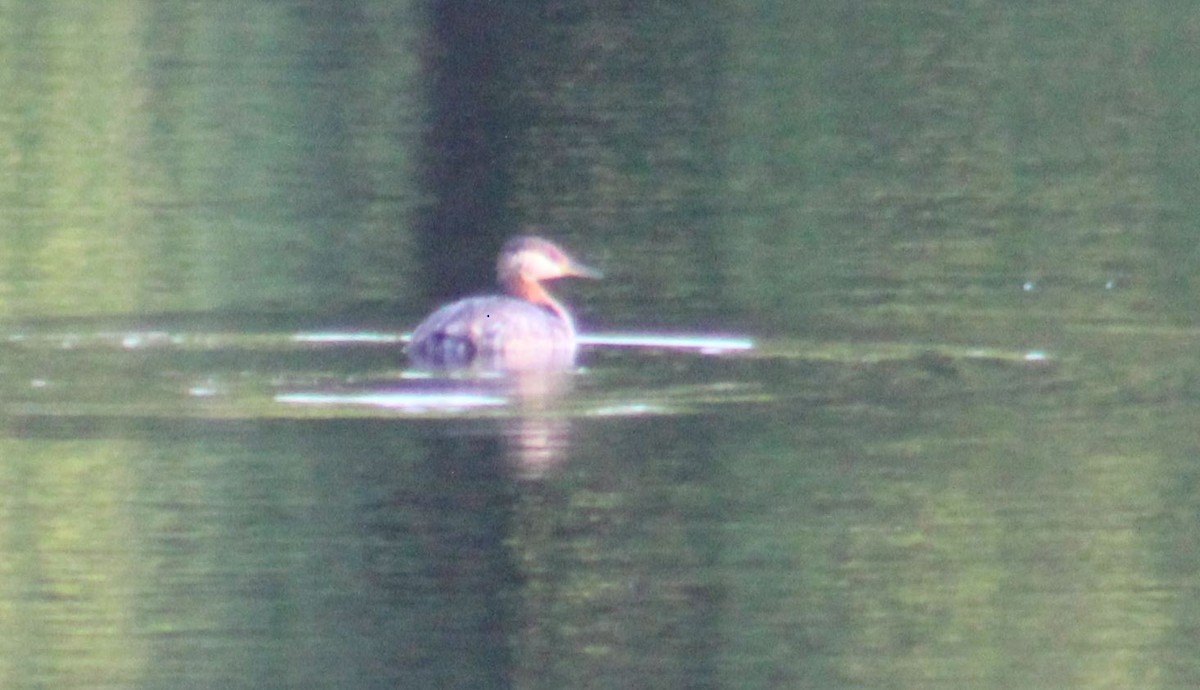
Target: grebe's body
(526,328)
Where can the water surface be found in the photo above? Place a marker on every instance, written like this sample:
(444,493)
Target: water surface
(960,452)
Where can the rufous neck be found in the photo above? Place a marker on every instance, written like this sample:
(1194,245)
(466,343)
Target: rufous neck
(533,291)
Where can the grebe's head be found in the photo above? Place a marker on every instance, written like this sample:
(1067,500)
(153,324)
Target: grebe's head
(528,259)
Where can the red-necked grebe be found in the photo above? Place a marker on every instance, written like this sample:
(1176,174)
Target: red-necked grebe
(527,328)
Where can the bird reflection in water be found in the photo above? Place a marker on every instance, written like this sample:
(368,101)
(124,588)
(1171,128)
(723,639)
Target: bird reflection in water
(522,343)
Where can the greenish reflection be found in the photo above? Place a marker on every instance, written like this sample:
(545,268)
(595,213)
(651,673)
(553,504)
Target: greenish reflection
(874,191)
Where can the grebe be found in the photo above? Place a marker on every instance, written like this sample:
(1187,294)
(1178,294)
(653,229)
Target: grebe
(527,328)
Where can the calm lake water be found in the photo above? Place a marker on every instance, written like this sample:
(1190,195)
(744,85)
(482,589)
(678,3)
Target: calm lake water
(962,451)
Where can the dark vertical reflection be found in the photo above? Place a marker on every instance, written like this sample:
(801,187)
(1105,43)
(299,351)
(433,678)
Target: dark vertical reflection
(458,596)
(470,143)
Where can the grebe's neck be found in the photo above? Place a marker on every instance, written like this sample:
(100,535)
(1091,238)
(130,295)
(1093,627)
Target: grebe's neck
(533,291)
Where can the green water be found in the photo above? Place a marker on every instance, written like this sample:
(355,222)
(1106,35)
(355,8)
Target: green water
(962,453)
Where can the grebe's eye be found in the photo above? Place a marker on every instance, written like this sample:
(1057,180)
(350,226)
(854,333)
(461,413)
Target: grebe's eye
(538,263)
